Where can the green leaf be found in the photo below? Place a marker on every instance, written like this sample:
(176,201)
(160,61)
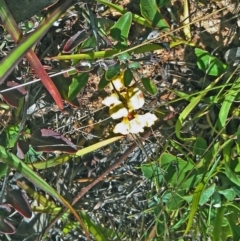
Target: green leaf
(59,160)
(233,220)
(173,200)
(200,146)
(134,65)
(175,169)
(149,86)
(103,82)
(217,226)
(11,135)
(124,56)
(112,71)
(206,194)
(78,82)
(3,169)
(127,77)
(209,64)
(230,95)
(14,162)
(229,194)
(193,103)
(161,3)
(99,232)
(120,29)
(232,175)
(152,172)
(151,13)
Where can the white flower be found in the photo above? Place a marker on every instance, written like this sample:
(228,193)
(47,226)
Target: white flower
(135,125)
(118,82)
(122,127)
(136,99)
(147,119)
(118,111)
(111,100)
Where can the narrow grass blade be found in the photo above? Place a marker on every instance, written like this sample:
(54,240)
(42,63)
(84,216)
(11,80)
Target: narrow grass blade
(64,158)
(217,226)
(193,103)
(227,103)
(13,30)
(8,63)
(14,162)
(197,195)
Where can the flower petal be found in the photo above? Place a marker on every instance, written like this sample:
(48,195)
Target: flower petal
(111,100)
(150,119)
(122,127)
(117,82)
(147,119)
(136,100)
(118,111)
(135,126)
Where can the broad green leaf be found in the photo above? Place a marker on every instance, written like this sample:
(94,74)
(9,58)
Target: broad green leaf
(235,178)
(152,172)
(134,65)
(112,71)
(78,82)
(173,200)
(209,64)
(103,82)
(175,169)
(120,29)
(149,86)
(229,194)
(200,146)
(127,77)
(151,13)
(124,56)
(206,194)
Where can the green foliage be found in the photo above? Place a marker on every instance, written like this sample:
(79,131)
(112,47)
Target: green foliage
(149,85)
(78,82)
(196,176)
(150,12)
(120,29)
(209,64)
